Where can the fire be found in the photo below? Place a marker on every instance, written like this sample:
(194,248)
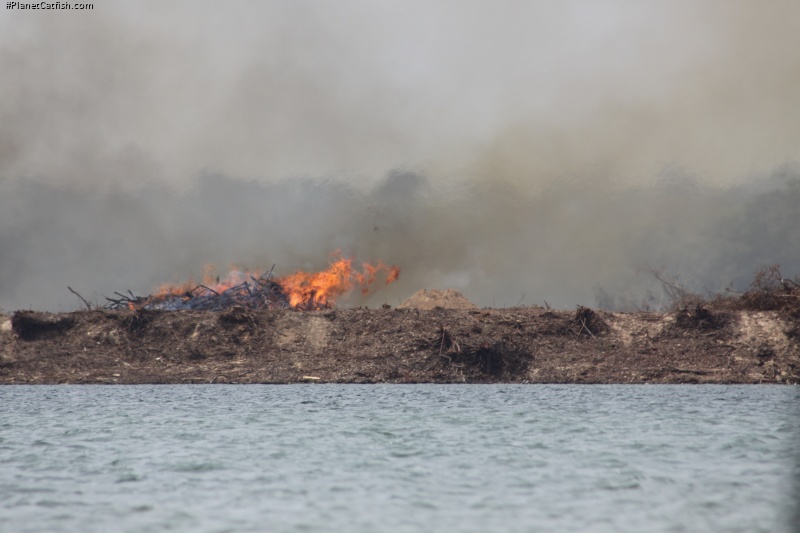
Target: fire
(210,281)
(314,290)
(301,290)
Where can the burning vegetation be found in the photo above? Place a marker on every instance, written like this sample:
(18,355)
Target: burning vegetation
(435,336)
(305,291)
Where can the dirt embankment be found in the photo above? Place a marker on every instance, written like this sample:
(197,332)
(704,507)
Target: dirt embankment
(408,345)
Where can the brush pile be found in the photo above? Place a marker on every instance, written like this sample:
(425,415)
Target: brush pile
(304,291)
(254,293)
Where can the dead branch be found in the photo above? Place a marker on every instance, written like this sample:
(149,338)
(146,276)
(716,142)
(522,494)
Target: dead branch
(87,304)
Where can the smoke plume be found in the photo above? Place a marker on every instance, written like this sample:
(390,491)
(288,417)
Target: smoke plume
(519,152)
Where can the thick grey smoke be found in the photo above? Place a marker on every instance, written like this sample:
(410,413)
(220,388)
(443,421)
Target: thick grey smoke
(567,246)
(518,151)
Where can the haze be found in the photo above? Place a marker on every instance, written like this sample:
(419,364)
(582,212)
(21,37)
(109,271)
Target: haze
(516,151)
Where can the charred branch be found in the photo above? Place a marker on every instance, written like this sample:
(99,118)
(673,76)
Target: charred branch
(258,293)
(87,304)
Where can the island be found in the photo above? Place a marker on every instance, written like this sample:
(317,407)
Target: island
(434,337)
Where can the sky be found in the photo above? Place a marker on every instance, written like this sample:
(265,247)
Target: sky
(520,152)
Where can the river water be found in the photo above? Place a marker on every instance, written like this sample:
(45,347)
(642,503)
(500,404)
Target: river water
(397,458)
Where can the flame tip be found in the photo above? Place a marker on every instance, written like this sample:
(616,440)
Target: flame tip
(302,290)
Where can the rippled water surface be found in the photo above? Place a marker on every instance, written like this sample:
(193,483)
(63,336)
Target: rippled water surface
(396,458)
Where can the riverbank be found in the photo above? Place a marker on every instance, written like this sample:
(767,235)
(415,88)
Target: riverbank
(511,345)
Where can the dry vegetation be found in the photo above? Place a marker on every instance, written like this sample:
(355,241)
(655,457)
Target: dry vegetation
(434,337)
(750,338)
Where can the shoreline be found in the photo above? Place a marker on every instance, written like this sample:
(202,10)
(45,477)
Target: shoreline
(358,345)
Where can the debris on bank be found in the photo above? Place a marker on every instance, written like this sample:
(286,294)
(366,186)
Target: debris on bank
(427,300)
(305,291)
(433,337)
(253,293)
(408,345)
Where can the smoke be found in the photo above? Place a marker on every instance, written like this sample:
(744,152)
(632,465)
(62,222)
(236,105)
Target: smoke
(567,246)
(520,152)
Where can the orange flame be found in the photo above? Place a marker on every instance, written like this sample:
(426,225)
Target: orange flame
(304,290)
(315,290)
(234,277)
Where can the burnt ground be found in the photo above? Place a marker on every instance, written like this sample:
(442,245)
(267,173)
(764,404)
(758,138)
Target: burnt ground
(513,345)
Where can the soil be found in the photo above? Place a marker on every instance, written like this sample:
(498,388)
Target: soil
(414,344)
(427,300)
